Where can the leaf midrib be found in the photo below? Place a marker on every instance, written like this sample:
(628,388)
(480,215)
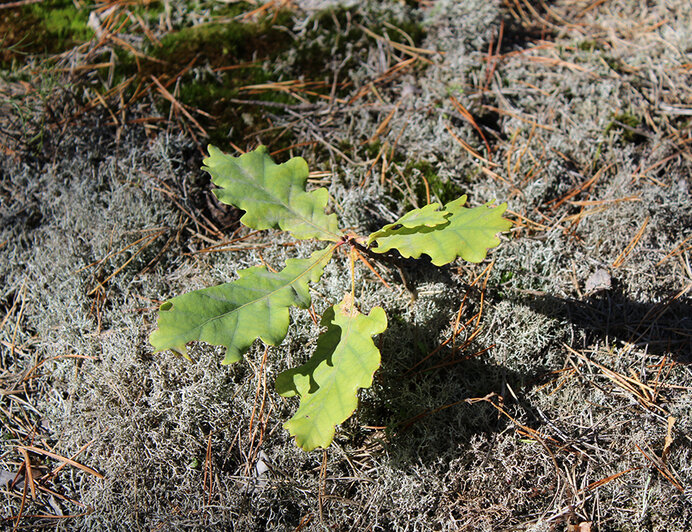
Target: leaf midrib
(250,181)
(332,381)
(312,266)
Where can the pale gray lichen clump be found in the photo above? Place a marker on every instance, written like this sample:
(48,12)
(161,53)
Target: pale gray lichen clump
(557,106)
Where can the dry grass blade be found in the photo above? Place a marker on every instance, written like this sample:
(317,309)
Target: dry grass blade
(293,147)
(591,203)
(662,468)
(606,480)
(29,472)
(371,268)
(553,61)
(408,423)
(276,5)
(622,257)
(468,148)
(31,370)
(177,105)
(148,241)
(59,468)
(208,480)
(669,438)
(521,428)
(412,51)
(457,329)
(469,117)
(525,119)
(122,250)
(256,429)
(69,461)
(585,186)
(49,516)
(526,222)
(643,393)
(677,250)
(383,125)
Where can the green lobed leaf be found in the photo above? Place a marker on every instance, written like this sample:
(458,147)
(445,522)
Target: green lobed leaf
(272,195)
(427,216)
(467,233)
(235,314)
(344,361)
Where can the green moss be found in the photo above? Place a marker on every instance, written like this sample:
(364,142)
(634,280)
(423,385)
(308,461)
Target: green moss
(238,54)
(344,146)
(63,22)
(589,46)
(147,10)
(224,10)
(222,44)
(455,89)
(232,55)
(628,119)
(506,276)
(417,173)
(230,117)
(441,190)
(222,57)
(48,27)
(625,124)
(372,149)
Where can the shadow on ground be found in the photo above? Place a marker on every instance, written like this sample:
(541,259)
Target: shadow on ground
(660,328)
(427,395)
(426,406)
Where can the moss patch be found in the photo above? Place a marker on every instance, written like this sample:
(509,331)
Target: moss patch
(209,66)
(417,174)
(210,63)
(48,27)
(222,44)
(626,124)
(222,58)
(421,172)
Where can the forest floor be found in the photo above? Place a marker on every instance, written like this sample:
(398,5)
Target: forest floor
(546,388)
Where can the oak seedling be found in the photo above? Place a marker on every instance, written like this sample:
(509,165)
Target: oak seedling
(256,305)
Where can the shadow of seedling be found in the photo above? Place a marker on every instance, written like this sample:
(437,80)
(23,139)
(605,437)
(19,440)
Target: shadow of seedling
(423,391)
(660,328)
(426,402)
